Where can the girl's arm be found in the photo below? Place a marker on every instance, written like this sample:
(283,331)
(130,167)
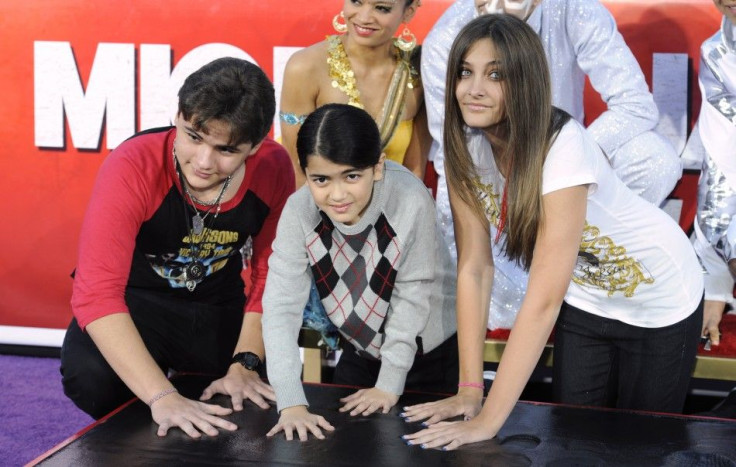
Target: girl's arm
(474,282)
(555,254)
(298,99)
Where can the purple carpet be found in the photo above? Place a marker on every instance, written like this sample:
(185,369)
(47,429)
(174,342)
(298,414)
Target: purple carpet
(35,415)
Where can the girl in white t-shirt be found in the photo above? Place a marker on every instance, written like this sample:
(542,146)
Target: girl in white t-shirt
(615,273)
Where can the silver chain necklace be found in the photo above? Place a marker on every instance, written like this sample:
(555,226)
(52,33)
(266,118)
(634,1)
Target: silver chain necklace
(198,219)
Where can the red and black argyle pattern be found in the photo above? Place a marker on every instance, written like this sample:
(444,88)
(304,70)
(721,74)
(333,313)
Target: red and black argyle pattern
(355,276)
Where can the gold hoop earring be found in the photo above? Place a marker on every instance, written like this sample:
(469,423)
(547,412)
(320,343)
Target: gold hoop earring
(406,41)
(341,28)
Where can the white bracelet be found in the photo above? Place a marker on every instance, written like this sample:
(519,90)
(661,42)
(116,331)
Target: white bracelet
(161,394)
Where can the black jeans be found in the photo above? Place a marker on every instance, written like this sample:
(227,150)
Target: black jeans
(436,371)
(180,335)
(607,363)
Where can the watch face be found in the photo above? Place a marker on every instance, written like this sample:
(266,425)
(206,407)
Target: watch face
(248,359)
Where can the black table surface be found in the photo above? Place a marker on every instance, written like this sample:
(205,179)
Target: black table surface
(535,434)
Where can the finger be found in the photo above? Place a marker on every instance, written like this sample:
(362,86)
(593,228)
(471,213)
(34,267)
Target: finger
(414,416)
(440,424)
(277,428)
(434,439)
(316,432)
(432,414)
(237,401)
(369,410)
(349,406)
(289,432)
(412,437)
(214,409)
(188,428)
(267,391)
(162,429)
(221,423)
(440,442)
(322,422)
(205,427)
(419,438)
(454,444)
(210,391)
(358,409)
(426,434)
(433,417)
(207,394)
(302,430)
(352,396)
(715,336)
(436,418)
(257,399)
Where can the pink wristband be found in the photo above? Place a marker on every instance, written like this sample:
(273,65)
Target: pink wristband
(471,385)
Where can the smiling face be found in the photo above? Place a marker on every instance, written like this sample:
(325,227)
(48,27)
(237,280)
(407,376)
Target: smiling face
(341,191)
(207,157)
(519,8)
(374,22)
(479,91)
(727,8)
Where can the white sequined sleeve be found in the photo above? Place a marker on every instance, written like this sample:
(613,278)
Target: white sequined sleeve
(602,54)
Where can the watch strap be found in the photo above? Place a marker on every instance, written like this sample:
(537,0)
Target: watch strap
(249,360)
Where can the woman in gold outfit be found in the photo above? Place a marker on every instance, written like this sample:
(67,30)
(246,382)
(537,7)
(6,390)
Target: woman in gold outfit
(365,66)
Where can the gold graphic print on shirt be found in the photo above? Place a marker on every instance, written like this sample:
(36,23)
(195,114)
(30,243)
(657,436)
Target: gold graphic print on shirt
(604,265)
(489,199)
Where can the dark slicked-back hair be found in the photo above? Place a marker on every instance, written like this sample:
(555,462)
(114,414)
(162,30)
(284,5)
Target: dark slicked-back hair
(342,134)
(230,90)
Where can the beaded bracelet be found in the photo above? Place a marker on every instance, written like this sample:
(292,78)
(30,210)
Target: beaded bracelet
(471,385)
(161,394)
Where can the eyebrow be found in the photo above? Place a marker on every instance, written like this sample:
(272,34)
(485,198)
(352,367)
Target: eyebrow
(344,172)
(219,147)
(492,62)
(229,147)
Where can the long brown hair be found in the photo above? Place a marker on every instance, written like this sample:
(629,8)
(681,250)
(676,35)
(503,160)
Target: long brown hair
(530,124)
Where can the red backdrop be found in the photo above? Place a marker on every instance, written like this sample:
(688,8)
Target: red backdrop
(46,188)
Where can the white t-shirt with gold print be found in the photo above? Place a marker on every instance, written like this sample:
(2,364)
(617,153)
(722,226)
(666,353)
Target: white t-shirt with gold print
(634,265)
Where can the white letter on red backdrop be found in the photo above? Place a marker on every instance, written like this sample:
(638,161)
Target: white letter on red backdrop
(155,75)
(58,90)
(160,86)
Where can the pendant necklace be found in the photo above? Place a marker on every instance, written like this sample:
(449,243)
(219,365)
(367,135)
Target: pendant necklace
(195,270)
(198,219)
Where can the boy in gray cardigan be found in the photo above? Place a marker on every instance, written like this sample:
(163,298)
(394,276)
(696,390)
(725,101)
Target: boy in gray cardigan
(364,232)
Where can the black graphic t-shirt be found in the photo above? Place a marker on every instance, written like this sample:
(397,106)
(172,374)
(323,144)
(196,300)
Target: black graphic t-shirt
(136,231)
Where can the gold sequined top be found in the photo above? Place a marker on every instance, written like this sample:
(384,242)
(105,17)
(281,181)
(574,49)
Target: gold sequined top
(395,133)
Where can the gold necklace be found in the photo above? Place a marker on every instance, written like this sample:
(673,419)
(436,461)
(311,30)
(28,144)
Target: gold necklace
(343,77)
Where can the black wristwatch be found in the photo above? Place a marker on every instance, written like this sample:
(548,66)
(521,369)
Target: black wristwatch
(249,360)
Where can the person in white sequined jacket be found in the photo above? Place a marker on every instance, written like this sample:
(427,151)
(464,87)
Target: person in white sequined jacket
(714,236)
(580,39)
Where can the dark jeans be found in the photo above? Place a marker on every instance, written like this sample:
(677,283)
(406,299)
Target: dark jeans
(180,335)
(607,363)
(436,371)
